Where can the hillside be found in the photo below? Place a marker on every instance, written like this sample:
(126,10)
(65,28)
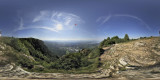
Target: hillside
(138,53)
(136,59)
(25,52)
(122,60)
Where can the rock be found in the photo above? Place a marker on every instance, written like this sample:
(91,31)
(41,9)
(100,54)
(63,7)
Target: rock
(119,65)
(7,67)
(122,61)
(130,68)
(105,73)
(1,53)
(111,67)
(156,52)
(139,44)
(2,47)
(158,46)
(30,57)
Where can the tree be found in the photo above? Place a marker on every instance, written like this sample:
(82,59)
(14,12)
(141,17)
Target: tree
(108,38)
(102,43)
(115,38)
(126,37)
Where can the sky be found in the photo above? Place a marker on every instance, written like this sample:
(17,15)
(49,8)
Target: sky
(79,19)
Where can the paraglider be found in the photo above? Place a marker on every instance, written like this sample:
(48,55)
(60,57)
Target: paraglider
(75,24)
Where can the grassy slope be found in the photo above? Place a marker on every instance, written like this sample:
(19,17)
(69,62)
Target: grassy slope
(25,52)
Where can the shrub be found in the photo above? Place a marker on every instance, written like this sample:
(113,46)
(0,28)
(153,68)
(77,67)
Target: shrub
(95,53)
(25,62)
(113,40)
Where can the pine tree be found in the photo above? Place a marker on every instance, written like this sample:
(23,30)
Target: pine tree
(126,37)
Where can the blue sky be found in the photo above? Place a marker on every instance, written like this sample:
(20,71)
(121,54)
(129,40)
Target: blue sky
(95,19)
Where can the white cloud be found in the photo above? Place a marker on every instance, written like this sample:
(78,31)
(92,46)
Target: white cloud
(40,16)
(47,28)
(21,23)
(67,22)
(98,19)
(67,19)
(59,15)
(55,21)
(21,27)
(134,17)
(104,19)
(38,27)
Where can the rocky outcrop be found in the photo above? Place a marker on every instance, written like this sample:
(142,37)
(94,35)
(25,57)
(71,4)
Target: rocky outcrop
(140,53)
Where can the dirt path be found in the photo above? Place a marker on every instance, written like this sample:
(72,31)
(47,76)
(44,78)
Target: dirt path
(62,79)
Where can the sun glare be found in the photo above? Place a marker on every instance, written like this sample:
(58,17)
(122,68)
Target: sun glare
(59,27)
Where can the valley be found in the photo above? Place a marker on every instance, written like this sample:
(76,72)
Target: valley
(63,47)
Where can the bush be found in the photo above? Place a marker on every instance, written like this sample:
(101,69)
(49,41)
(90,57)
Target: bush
(38,68)
(20,59)
(25,62)
(113,40)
